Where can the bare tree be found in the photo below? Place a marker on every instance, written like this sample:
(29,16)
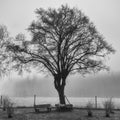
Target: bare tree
(63,41)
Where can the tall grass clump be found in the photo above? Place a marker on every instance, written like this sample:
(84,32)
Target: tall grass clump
(89,108)
(8,106)
(109,107)
(5,102)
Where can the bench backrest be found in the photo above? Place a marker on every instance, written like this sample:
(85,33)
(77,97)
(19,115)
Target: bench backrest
(42,105)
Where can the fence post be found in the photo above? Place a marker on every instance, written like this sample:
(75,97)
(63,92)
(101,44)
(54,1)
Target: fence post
(96,102)
(34,100)
(1,100)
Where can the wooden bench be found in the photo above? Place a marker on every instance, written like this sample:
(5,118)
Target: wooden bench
(42,108)
(64,107)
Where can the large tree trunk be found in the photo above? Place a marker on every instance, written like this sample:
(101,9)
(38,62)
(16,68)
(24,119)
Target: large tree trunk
(61,95)
(60,86)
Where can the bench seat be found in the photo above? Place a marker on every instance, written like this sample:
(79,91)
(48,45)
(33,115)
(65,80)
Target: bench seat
(64,107)
(42,107)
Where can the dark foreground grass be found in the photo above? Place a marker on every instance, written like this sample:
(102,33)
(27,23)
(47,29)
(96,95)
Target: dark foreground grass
(76,114)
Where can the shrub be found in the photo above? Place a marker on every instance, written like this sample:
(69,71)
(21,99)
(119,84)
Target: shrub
(5,102)
(10,110)
(8,105)
(109,107)
(89,107)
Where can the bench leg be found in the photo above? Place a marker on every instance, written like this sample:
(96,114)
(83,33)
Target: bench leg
(36,110)
(48,109)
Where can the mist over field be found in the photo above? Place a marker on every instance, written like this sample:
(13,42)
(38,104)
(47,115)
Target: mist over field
(101,85)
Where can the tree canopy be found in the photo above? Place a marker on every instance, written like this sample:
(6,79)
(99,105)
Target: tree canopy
(4,56)
(64,41)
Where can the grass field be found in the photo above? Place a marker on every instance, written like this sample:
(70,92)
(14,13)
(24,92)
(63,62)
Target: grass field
(76,114)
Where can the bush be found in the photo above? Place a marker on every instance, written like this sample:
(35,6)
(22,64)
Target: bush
(10,110)
(8,105)
(109,107)
(5,102)
(89,107)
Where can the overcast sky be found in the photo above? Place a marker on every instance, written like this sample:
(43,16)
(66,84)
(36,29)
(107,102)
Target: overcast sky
(18,14)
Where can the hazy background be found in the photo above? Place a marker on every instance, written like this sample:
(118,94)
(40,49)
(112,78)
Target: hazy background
(17,16)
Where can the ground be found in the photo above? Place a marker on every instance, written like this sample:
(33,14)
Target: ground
(76,114)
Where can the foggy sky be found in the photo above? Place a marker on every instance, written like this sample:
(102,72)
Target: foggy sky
(17,16)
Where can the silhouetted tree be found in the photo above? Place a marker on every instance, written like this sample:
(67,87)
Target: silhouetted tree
(63,41)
